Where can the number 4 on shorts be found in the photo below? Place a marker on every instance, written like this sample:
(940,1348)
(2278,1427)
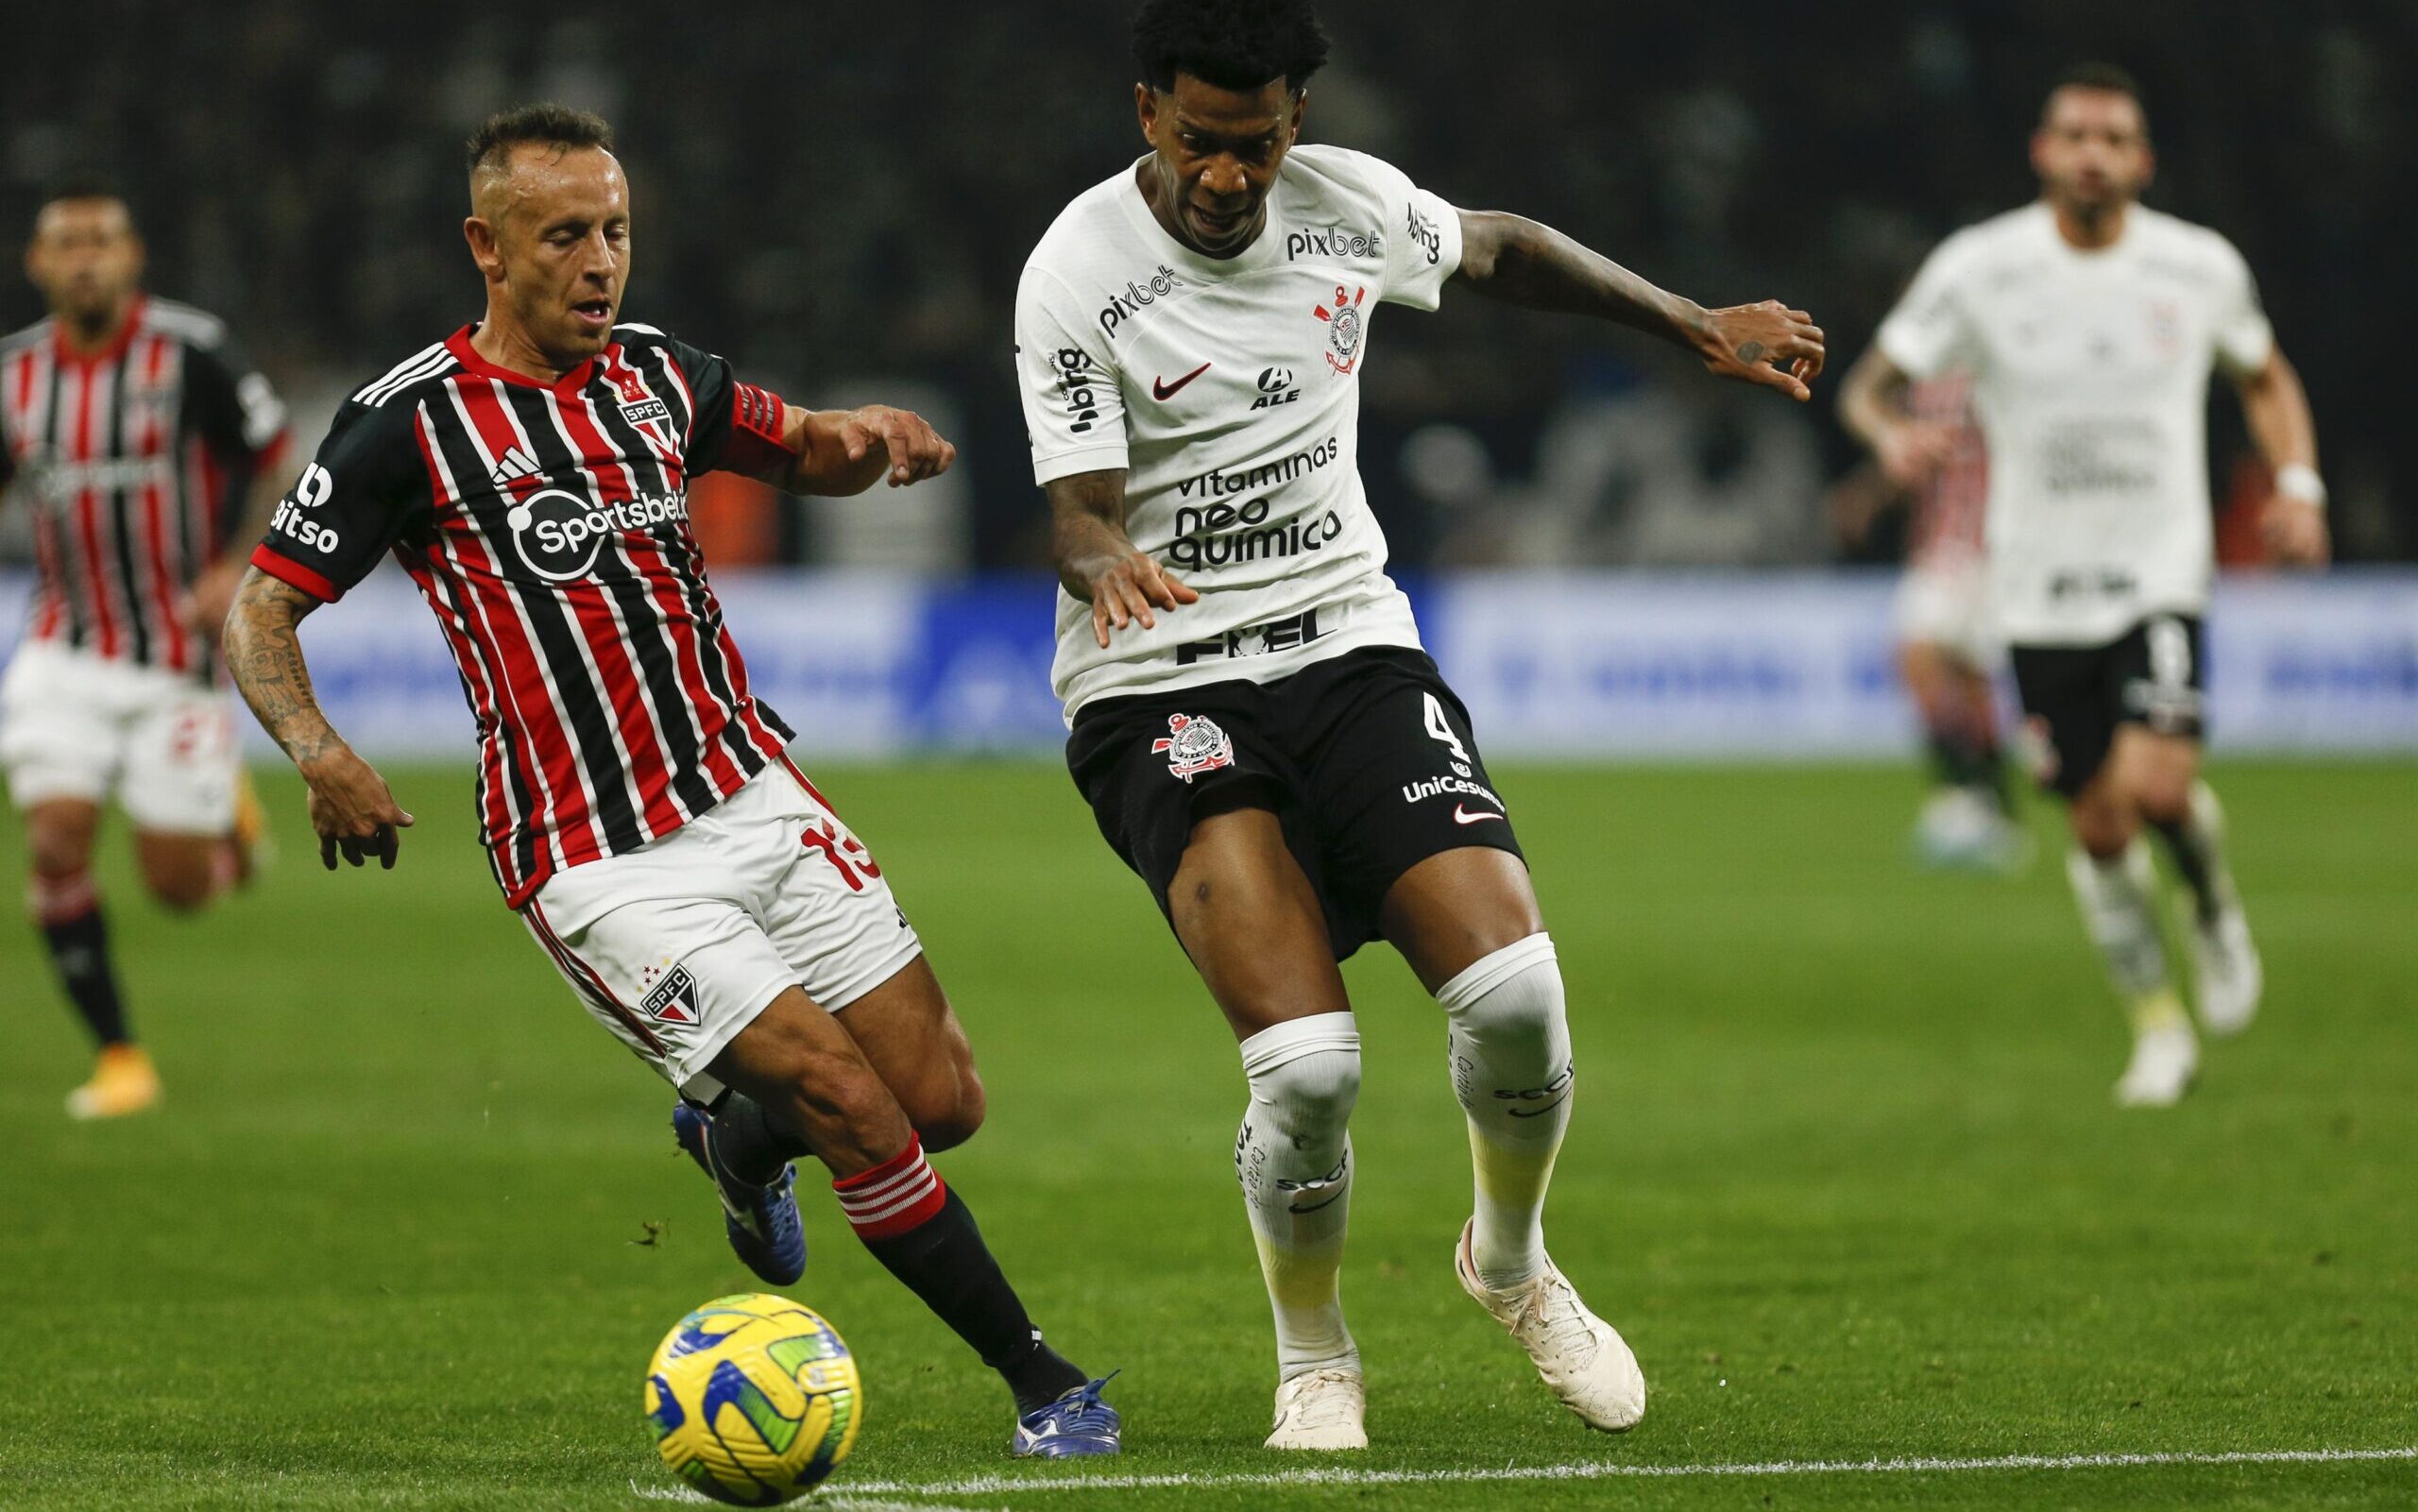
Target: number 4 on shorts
(1443,732)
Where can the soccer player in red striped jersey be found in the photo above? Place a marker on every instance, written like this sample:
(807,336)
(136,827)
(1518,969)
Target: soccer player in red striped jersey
(140,438)
(530,472)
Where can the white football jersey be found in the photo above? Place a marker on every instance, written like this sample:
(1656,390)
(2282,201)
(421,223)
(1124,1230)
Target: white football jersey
(1230,392)
(2091,379)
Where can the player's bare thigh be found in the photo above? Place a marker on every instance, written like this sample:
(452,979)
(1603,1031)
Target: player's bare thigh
(1252,924)
(1457,907)
(912,1038)
(181,870)
(59,835)
(2146,776)
(813,1077)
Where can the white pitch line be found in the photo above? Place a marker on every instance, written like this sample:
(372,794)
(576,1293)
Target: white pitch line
(1592,1471)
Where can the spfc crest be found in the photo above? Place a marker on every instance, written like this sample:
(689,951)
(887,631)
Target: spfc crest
(673,999)
(1193,746)
(1344,327)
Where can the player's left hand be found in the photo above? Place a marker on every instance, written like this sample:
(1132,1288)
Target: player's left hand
(1766,342)
(213,597)
(916,451)
(2295,531)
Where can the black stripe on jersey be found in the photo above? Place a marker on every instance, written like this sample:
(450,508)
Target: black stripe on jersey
(560,664)
(657,654)
(562,646)
(520,803)
(138,604)
(63,534)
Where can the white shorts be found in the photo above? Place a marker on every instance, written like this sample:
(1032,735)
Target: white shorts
(1947,604)
(677,945)
(76,726)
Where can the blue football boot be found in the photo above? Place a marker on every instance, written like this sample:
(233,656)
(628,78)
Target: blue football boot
(1075,1423)
(762,1221)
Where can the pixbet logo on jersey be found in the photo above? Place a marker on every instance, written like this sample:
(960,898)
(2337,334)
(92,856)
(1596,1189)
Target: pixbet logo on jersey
(1136,296)
(559,534)
(1343,328)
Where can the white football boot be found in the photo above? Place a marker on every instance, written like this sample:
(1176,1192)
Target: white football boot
(1320,1410)
(1579,1356)
(2165,1060)
(2227,971)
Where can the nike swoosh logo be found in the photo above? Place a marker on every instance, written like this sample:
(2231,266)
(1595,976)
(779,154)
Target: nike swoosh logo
(1463,816)
(1163,390)
(1540,1113)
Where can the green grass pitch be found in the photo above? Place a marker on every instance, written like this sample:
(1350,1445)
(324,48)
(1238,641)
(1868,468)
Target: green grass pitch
(1844,1171)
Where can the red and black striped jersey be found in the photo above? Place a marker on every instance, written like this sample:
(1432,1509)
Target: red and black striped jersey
(547,525)
(135,462)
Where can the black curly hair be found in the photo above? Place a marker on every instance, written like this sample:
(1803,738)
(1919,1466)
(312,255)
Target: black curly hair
(1236,44)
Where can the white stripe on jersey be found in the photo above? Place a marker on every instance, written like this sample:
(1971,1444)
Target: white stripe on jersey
(402,375)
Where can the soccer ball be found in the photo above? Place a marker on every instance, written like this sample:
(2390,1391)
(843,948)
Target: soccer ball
(754,1400)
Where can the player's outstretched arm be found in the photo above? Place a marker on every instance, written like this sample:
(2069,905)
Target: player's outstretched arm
(1099,563)
(351,807)
(2276,407)
(1522,262)
(846,451)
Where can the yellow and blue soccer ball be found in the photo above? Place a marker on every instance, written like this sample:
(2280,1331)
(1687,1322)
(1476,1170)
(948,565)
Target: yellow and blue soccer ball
(753,1399)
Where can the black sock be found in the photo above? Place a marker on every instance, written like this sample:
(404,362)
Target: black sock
(79,947)
(747,1144)
(943,1261)
(2194,865)
(1962,762)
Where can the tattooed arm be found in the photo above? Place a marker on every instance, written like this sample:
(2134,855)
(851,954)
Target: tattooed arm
(351,807)
(1522,262)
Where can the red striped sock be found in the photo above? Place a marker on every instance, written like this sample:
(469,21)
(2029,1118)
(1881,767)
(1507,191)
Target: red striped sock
(896,1196)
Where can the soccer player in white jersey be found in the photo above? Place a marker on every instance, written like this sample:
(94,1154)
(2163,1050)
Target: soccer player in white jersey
(1258,733)
(2089,323)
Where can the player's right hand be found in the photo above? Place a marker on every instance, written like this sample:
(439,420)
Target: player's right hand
(352,809)
(1911,453)
(1125,590)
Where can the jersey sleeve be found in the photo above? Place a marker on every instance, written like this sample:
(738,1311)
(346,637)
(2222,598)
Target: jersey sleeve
(352,502)
(1930,330)
(2238,325)
(1074,405)
(734,425)
(236,411)
(1422,234)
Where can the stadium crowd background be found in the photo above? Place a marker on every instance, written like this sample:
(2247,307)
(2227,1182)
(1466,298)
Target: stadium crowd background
(842,202)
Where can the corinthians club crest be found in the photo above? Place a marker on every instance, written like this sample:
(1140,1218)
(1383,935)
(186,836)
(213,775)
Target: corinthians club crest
(1193,746)
(1343,328)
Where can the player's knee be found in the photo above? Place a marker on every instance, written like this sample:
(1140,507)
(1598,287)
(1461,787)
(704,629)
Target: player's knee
(953,1113)
(1511,998)
(59,852)
(180,889)
(1306,1073)
(2163,797)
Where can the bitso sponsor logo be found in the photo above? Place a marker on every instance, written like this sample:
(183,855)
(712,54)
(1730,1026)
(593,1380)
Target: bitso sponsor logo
(1275,387)
(1193,746)
(1343,328)
(559,534)
(1334,242)
(292,518)
(1136,297)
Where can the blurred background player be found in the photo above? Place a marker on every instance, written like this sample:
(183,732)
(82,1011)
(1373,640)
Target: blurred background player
(1258,732)
(639,808)
(1937,469)
(2089,323)
(144,444)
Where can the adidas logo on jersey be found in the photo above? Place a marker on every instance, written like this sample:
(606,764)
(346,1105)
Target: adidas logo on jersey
(517,463)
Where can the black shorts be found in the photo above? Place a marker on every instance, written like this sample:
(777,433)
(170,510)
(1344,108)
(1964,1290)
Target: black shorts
(1366,759)
(2076,696)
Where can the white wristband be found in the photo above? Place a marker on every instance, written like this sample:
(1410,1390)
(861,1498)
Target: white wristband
(2298,480)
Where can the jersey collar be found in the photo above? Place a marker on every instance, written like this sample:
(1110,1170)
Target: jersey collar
(1265,249)
(467,355)
(117,344)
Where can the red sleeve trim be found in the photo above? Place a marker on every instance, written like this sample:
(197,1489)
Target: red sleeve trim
(285,569)
(756,447)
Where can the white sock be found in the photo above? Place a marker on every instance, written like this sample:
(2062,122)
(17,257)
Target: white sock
(1294,1159)
(1509,1038)
(2119,913)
